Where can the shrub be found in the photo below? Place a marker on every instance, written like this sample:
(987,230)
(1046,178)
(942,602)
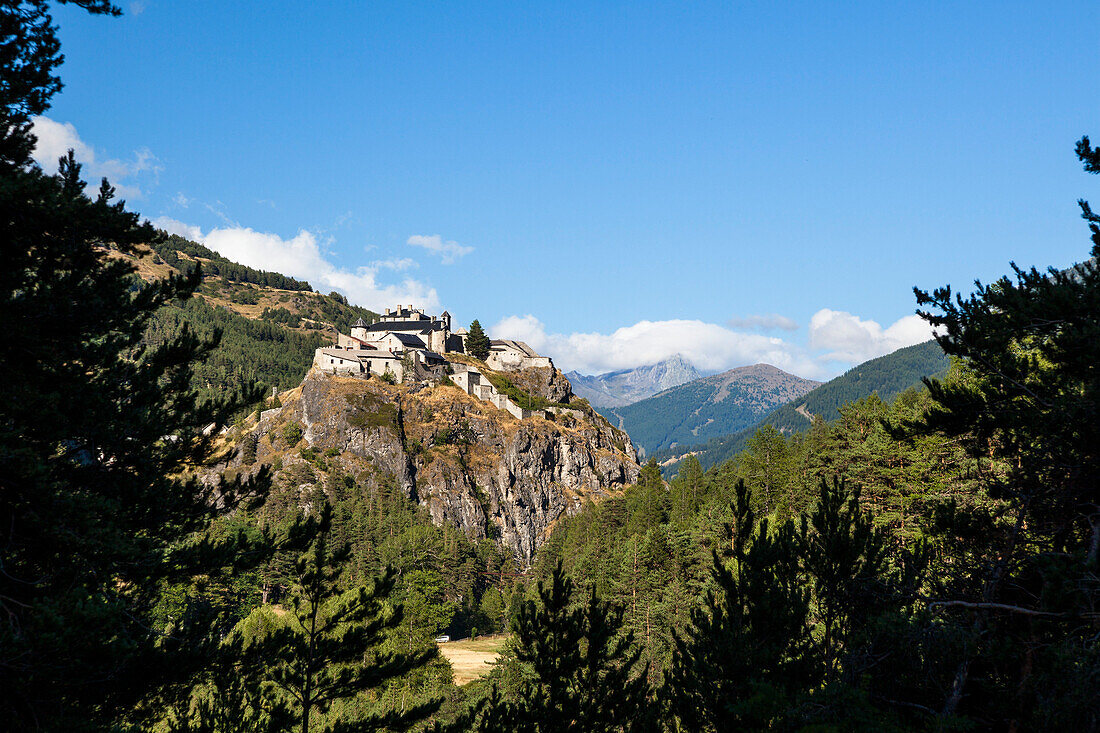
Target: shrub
(292,434)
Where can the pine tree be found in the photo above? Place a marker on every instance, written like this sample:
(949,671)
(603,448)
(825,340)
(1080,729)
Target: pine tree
(747,650)
(329,649)
(1031,400)
(96,426)
(477,343)
(231,697)
(580,665)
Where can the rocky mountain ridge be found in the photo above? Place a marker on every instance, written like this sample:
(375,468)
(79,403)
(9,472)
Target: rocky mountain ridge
(711,406)
(627,386)
(887,376)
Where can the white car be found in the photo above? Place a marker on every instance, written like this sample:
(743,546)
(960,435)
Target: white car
(442,639)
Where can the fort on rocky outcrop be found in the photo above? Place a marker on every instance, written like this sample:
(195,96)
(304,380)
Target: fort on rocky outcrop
(408,345)
(500,449)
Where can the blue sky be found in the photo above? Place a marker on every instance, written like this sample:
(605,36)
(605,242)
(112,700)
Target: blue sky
(738,182)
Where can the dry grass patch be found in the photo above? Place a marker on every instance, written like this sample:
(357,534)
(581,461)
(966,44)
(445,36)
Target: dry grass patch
(471,659)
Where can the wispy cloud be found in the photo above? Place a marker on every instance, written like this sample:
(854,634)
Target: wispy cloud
(763,322)
(301,257)
(55,139)
(449,252)
(396,263)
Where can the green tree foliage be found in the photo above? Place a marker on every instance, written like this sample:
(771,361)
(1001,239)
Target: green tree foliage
(247,353)
(329,646)
(231,696)
(794,622)
(1023,597)
(95,429)
(746,649)
(477,343)
(578,666)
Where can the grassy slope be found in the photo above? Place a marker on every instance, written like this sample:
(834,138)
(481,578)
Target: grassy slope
(253,350)
(471,659)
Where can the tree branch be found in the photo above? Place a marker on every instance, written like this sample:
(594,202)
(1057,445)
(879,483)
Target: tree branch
(1009,608)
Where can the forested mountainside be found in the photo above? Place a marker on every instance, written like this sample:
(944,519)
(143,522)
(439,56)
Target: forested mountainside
(650,549)
(270,324)
(626,386)
(708,407)
(886,376)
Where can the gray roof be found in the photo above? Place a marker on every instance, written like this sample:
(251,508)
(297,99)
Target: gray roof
(359,323)
(417,326)
(408,339)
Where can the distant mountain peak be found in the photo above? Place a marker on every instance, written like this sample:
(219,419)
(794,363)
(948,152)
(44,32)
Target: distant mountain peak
(692,412)
(626,386)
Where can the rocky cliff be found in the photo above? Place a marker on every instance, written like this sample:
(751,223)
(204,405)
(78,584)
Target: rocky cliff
(463,460)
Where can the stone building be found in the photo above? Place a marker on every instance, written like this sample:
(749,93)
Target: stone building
(507,355)
(408,339)
(359,361)
(434,331)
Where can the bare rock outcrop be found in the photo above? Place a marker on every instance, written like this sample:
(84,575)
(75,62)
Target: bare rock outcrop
(546,382)
(462,459)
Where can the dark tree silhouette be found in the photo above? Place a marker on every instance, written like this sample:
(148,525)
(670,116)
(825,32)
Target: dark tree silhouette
(96,426)
(581,665)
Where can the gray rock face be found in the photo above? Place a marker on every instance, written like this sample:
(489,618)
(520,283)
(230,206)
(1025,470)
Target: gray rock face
(465,461)
(545,382)
(627,386)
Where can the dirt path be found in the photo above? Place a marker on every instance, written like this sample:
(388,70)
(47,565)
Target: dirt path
(472,659)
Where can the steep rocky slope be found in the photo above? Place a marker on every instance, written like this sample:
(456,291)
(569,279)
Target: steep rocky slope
(464,460)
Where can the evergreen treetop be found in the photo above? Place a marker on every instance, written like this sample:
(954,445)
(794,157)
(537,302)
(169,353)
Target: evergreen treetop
(477,343)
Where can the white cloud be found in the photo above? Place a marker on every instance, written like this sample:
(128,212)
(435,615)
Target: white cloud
(301,257)
(764,322)
(174,226)
(848,338)
(707,345)
(448,251)
(837,341)
(54,139)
